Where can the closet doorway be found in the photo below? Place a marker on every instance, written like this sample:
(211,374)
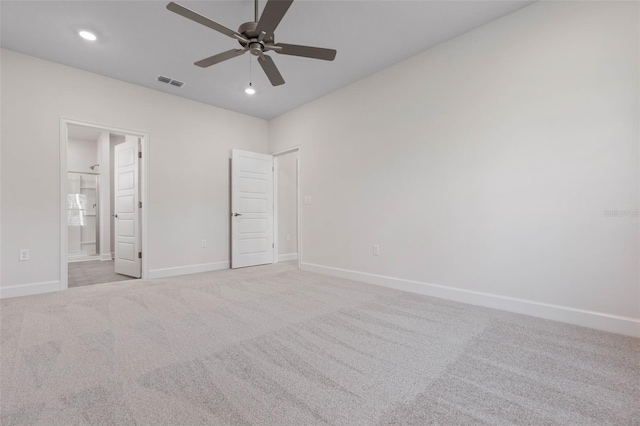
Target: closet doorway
(286,184)
(104,187)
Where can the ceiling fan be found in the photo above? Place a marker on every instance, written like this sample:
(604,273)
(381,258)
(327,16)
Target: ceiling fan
(256,37)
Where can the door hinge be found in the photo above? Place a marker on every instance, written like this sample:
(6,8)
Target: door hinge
(139,255)
(139,204)
(273,245)
(139,154)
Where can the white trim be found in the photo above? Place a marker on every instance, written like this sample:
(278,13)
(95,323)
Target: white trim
(597,320)
(286,151)
(29,289)
(185,270)
(297,149)
(64,232)
(287,257)
(106,256)
(144,188)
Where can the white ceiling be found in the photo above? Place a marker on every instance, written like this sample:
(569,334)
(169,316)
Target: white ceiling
(138,40)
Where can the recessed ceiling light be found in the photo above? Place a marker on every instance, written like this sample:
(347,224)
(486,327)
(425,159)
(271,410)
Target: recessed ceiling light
(87,35)
(249,90)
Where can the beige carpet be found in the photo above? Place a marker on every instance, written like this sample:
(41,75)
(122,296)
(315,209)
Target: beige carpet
(276,346)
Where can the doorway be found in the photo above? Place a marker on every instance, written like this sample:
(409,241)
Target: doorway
(265,208)
(103,189)
(286,206)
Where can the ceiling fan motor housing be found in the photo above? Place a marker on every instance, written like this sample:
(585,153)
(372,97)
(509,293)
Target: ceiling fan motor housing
(248,30)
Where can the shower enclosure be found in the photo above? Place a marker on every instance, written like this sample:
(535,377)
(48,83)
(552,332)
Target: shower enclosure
(82,215)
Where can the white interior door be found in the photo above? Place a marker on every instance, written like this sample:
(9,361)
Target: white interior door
(127,221)
(251,209)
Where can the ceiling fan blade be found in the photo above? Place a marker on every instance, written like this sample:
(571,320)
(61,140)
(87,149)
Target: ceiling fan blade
(220,57)
(272,14)
(270,69)
(306,51)
(196,17)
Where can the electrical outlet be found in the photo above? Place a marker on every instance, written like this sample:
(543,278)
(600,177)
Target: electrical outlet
(24,255)
(288,237)
(307,200)
(203,244)
(376,250)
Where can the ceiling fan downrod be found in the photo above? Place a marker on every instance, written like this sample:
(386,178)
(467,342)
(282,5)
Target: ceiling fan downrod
(255,11)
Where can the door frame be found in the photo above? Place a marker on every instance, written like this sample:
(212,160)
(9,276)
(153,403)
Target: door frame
(144,192)
(298,202)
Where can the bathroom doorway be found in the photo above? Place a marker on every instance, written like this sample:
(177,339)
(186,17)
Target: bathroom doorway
(103,192)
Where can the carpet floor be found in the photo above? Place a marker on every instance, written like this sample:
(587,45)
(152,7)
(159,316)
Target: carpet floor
(277,346)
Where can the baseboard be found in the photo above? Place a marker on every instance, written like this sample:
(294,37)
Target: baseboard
(106,256)
(185,270)
(29,289)
(287,257)
(597,320)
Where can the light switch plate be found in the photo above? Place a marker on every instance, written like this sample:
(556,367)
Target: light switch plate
(24,255)
(307,200)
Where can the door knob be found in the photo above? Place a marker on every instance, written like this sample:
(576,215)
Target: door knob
(115,215)
(237,214)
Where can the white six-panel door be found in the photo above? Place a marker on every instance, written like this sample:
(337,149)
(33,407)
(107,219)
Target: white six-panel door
(251,209)
(126,196)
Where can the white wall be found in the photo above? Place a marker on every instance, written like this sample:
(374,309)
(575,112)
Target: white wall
(287,208)
(189,168)
(81,154)
(485,166)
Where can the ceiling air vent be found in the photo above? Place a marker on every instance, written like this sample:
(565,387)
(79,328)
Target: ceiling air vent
(167,80)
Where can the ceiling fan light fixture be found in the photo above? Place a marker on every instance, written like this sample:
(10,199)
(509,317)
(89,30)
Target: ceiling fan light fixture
(87,35)
(256,37)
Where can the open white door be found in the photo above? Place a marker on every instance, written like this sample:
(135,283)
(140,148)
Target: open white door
(251,209)
(126,196)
